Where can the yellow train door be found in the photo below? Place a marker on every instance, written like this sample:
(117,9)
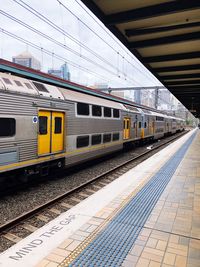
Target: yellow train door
(44,133)
(57,140)
(50,132)
(127,127)
(153,126)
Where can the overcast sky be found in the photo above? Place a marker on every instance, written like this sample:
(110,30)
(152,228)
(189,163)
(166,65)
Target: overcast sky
(118,66)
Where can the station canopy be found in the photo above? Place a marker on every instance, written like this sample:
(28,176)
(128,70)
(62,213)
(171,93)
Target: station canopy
(164,36)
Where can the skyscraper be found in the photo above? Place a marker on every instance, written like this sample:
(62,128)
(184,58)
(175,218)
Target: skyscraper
(63,72)
(27,60)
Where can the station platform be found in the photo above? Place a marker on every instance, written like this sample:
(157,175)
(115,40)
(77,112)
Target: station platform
(149,216)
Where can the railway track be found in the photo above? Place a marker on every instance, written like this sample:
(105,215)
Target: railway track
(14,230)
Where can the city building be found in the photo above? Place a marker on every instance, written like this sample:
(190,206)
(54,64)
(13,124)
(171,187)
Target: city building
(27,60)
(63,72)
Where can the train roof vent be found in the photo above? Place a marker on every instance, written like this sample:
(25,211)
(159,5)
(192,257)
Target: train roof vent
(18,83)
(6,80)
(40,87)
(28,85)
(15,84)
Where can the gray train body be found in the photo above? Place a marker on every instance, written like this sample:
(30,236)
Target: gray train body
(81,126)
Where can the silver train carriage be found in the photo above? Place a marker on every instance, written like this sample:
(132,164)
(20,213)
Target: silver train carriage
(43,126)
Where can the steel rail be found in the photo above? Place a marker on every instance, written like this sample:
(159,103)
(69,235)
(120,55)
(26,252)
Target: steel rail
(27,215)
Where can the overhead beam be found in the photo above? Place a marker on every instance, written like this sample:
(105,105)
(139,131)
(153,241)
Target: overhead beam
(165,40)
(180,76)
(191,87)
(175,89)
(136,32)
(150,11)
(183,83)
(188,91)
(172,57)
(178,68)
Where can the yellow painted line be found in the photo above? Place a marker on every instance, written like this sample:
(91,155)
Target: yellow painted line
(80,248)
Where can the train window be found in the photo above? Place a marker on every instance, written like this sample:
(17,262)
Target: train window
(40,87)
(83,109)
(96,139)
(140,124)
(18,83)
(107,112)
(43,124)
(82,141)
(115,113)
(28,86)
(7,127)
(115,136)
(6,80)
(106,138)
(145,125)
(96,111)
(159,118)
(58,125)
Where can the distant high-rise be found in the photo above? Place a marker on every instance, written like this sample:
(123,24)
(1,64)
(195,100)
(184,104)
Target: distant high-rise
(63,72)
(137,96)
(27,60)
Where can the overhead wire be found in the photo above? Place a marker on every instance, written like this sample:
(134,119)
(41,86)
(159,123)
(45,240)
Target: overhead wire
(54,41)
(114,39)
(45,19)
(61,30)
(48,52)
(61,58)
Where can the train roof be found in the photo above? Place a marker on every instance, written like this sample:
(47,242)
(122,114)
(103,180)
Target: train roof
(35,75)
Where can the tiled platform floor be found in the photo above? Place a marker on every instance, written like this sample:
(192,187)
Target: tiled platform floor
(171,235)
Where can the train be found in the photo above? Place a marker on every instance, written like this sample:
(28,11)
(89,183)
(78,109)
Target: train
(46,122)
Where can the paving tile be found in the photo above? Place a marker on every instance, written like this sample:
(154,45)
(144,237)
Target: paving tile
(177,251)
(161,245)
(73,245)
(154,264)
(146,232)
(66,243)
(43,263)
(150,256)
(85,227)
(131,258)
(82,233)
(55,258)
(128,264)
(194,253)
(169,258)
(194,262)
(178,246)
(152,242)
(180,261)
(91,229)
(53,264)
(153,251)
(61,252)
(136,250)
(78,237)
(143,262)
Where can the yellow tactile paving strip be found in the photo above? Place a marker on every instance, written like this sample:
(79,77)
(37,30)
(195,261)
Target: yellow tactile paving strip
(171,236)
(164,239)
